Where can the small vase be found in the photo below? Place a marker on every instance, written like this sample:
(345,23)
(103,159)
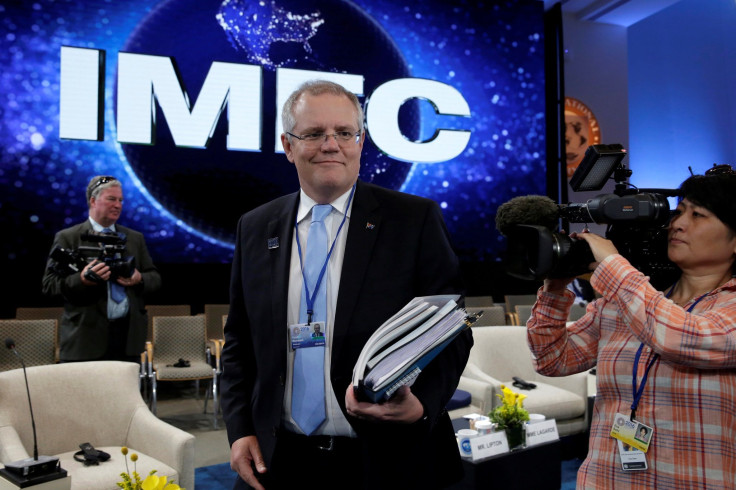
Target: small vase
(515,436)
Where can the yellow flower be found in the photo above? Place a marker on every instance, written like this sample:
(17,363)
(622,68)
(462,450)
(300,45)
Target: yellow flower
(124,450)
(153,482)
(511,412)
(508,396)
(520,400)
(132,481)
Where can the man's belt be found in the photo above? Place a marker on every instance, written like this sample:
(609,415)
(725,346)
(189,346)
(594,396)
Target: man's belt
(321,442)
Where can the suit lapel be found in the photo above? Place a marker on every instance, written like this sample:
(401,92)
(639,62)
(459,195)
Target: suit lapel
(281,228)
(365,222)
(84,227)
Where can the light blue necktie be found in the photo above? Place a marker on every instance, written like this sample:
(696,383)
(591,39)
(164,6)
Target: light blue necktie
(117,292)
(308,387)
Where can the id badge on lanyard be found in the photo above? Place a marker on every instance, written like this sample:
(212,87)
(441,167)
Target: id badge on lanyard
(304,335)
(634,437)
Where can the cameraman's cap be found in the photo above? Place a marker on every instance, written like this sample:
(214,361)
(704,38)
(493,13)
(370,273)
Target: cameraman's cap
(97,182)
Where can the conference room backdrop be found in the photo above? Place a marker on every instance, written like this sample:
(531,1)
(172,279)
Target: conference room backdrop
(180,99)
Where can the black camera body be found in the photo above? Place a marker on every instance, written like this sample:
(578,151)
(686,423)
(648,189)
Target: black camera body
(637,222)
(110,247)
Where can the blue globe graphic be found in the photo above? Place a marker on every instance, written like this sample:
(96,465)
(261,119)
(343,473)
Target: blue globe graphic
(210,188)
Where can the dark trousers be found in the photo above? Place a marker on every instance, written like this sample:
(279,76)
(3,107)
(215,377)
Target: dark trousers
(388,463)
(314,462)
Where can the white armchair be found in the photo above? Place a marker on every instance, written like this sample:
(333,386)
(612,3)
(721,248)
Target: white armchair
(97,402)
(500,353)
(480,396)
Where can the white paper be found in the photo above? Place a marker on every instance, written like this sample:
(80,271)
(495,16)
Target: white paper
(395,327)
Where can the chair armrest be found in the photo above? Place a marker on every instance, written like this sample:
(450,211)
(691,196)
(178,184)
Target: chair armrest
(147,361)
(215,346)
(481,393)
(172,446)
(474,372)
(143,372)
(575,383)
(149,351)
(11,447)
(512,318)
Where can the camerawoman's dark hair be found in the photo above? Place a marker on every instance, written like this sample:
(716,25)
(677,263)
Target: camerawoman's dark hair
(715,192)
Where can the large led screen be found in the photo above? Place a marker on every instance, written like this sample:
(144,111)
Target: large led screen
(180,100)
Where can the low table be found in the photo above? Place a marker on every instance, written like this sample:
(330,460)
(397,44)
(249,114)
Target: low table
(64,483)
(537,467)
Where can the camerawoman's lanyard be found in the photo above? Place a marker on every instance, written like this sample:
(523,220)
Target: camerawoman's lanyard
(637,392)
(634,437)
(309,298)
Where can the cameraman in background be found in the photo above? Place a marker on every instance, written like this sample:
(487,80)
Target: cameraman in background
(665,359)
(104,312)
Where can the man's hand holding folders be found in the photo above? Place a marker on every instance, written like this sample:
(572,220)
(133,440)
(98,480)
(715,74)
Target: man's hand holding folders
(398,351)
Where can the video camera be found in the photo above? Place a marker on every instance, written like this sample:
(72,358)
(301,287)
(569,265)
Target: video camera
(637,222)
(109,249)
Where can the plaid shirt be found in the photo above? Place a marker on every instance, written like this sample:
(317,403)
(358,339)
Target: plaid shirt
(690,396)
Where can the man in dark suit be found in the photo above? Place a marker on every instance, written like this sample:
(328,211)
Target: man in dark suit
(104,311)
(386,248)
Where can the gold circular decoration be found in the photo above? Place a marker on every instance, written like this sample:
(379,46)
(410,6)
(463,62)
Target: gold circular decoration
(581,131)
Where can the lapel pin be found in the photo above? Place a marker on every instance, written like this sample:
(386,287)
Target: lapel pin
(369,226)
(273,243)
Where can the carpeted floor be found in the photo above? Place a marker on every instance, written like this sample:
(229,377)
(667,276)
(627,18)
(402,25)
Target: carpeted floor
(215,477)
(221,477)
(570,473)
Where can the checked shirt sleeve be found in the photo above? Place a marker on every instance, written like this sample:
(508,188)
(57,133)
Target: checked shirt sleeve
(704,338)
(559,350)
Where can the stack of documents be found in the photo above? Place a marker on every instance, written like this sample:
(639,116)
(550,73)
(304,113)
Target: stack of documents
(398,351)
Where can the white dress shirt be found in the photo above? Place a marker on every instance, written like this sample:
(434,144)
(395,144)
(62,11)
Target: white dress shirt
(335,423)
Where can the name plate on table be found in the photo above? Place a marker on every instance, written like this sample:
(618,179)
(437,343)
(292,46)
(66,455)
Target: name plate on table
(489,445)
(540,432)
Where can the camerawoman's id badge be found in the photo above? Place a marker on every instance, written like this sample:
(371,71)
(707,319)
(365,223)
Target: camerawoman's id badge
(632,432)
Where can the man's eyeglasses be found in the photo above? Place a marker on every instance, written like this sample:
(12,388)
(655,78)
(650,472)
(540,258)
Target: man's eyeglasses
(315,139)
(103,180)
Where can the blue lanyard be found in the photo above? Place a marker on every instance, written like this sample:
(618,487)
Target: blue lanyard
(638,392)
(310,297)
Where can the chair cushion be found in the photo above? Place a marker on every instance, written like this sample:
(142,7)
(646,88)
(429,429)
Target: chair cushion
(105,475)
(196,370)
(551,401)
(460,398)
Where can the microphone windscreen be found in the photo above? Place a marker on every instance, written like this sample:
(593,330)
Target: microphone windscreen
(527,210)
(9,343)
